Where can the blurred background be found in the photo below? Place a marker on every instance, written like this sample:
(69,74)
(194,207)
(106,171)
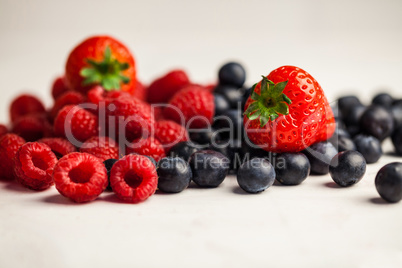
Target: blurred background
(348,46)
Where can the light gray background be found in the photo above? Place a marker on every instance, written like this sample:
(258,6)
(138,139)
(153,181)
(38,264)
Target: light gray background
(348,46)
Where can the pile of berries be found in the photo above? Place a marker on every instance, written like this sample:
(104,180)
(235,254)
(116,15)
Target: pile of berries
(106,130)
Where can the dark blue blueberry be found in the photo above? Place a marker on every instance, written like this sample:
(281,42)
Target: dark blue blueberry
(292,168)
(389,182)
(320,155)
(232,73)
(245,97)
(232,94)
(397,140)
(204,136)
(256,175)
(396,111)
(108,165)
(184,149)
(230,124)
(346,103)
(347,168)
(209,168)
(354,116)
(336,111)
(383,99)
(230,149)
(221,104)
(342,143)
(174,174)
(369,147)
(378,122)
(249,151)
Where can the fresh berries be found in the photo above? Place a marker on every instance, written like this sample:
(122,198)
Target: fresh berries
(109,163)
(34,163)
(133,178)
(209,168)
(347,168)
(101,60)
(397,140)
(232,73)
(232,94)
(102,147)
(383,99)
(25,105)
(32,127)
(80,177)
(174,175)
(389,182)
(256,175)
(320,156)
(59,146)
(291,168)
(221,104)
(169,133)
(193,104)
(149,146)
(3,130)
(378,122)
(288,112)
(59,87)
(184,150)
(369,147)
(9,146)
(75,123)
(163,88)
(68,98)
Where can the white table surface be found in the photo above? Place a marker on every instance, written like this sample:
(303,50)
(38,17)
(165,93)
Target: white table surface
(350,47)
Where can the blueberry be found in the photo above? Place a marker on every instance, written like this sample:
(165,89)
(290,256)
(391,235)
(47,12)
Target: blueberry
(292,168)
(204,136)
(249,151)
(336,111)
(245,97)
(320,155)
(108,165)
(397,140)
(354,116)
(383,99)
(221,104)
(389,182)
(232,94)
(230,124)
(396,111)
(232,73)
(369,147)
(209,168)
(230,149)
(184,149)
(346,103)
(347,168)
(256,175)
(174,175)
(342,143)
(378,122)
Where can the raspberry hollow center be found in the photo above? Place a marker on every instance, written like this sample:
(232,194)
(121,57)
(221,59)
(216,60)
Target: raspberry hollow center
(38,162)
(132,179)
(80,174)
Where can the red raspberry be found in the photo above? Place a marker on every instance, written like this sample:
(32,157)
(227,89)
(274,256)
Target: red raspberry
(102,147)
(96,94)
(150,146)
(131,116)
(59,87)
(81,177)
(169,133)
(60,147)
(140,92)
(76,121)
(195,105)
(115,94)
(3,130)
(25,105)
(158,113)
(9,145)
(68,98)
(34,163)
(163,88)
(32,127)
(133,178)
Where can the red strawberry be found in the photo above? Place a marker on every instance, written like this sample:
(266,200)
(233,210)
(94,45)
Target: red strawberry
(163,88)
(195,105)
(67,98)
(150,147)
(288,112)
(102,147)
(170,133)
(101,60)
(59,87)
(25,105)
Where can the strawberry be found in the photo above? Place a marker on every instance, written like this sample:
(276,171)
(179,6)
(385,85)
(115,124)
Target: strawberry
(193,104)
(163,88)
(101,60)
(288,111)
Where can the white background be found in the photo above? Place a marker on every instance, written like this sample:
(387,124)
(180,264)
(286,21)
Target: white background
(348,46)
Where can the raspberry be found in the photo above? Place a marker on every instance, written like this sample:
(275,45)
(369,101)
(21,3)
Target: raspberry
(133,178)
(32,127)
(102,147)
(25,105)
(9,145)
(140,91)
(81,177)
(3,130)
(34,163)
(158,113)
(115,94)
(170,133)
(96,95)
(59,146)
(150,147)
(163,88)
(194,104)
(59,87)
(68,98)
(76,121)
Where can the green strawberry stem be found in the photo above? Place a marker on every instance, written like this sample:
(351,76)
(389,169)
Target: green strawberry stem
(270,104)
(107,72)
